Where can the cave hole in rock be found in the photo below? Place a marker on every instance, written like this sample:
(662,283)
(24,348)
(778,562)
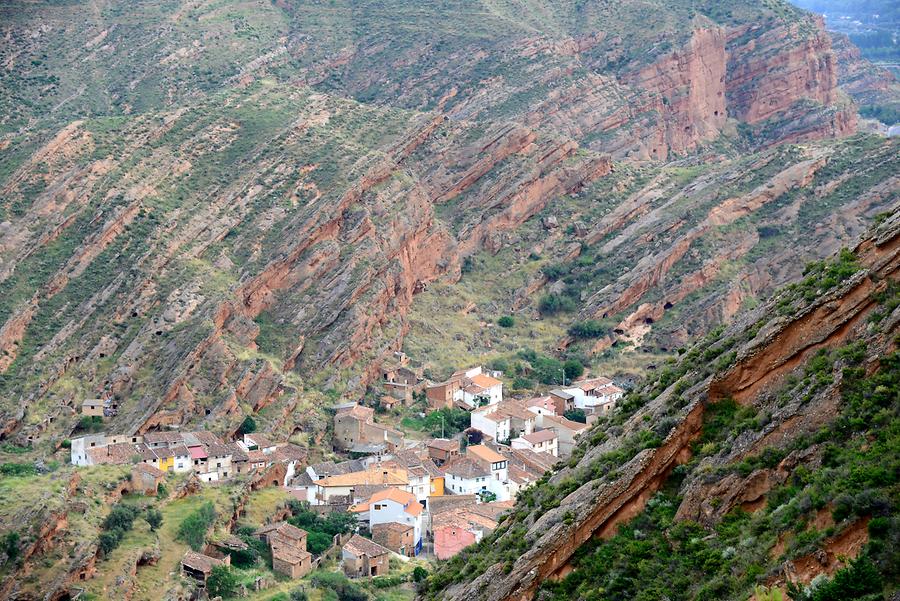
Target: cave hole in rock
(667,306)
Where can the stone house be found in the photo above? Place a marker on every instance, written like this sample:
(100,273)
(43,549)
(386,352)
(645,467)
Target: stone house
(361,557)
(442,450)
(288,546)
(146,478)
(399,538)
(92,407)
(355,428)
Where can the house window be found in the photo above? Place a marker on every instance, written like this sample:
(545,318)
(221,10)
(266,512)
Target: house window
(218,464)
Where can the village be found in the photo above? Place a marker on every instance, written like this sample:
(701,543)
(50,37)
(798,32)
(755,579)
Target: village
(401,497)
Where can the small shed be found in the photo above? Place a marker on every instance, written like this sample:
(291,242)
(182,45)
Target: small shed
(146,478)
(362,557)
(200,566)
(92,407)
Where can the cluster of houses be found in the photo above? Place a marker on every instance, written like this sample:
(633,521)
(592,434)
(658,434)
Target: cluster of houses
(397,496)
(410,495)
(434,496)
(202,453)
(536,424)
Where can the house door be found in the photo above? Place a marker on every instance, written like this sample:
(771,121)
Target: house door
(374,570)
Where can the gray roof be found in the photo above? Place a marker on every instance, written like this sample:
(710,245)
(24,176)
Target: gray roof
(336,469)
(466,468)
(359,545)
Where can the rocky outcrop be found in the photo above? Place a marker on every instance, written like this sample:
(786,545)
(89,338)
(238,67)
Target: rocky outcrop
(690,89)
(598,506)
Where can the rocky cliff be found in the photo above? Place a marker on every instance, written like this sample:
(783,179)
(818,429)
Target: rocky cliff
(791,360)
(204,245)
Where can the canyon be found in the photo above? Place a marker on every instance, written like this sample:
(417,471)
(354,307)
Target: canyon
(210,211)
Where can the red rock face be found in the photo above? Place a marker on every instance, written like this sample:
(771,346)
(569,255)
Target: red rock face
(769,71)
(689,90)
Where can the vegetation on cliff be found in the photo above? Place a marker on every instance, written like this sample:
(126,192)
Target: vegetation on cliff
(829,488)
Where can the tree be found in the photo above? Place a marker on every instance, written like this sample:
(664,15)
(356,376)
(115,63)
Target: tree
(109,540)
(576,415)
(221,582)
(121,517)
(154,518)
(193,529)
(419,574)
(474,436)
(551,304)
(248,426)
(587,329)
(317,542)
(573,369)
(450,420)
(10,545)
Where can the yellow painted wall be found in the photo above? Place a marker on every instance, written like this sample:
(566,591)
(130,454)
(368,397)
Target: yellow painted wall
(437,487)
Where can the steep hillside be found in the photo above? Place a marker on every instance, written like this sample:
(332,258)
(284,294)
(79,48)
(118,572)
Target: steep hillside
(210,209)
(656,256)
(765,455)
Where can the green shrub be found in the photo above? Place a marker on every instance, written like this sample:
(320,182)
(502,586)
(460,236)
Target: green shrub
(573,368)
(320,531)
(222,581)
(154,518)
(9,544)
(17,469)
(855,581)
(551,304)
(340,585)
(248,426)
(109,540)
(506,321)
(576,415)
(194,527)
(120,517)
(588,329)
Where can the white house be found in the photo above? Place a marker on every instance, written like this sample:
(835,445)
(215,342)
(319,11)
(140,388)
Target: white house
(419,482)
(496,465)
(394,505)
(495,424)
(504,420)
(597,395)
(542,441)
(477,388)
(254,442)
(464,476)
(567,431)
